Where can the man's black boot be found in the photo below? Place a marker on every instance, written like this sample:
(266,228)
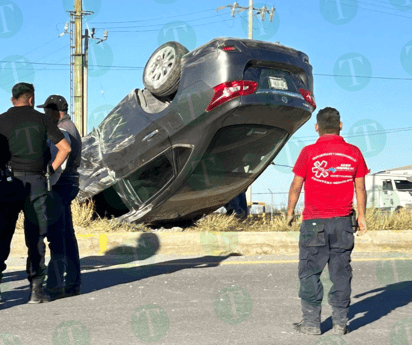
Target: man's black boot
(72,291)
(37,294)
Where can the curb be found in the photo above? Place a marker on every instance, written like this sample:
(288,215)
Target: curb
(216,243)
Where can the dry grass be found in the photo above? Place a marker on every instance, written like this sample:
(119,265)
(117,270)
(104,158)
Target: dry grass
(377,220)
(217,222)
(85,222)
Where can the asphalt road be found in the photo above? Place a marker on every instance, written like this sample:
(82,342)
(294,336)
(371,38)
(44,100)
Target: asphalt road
(204,300)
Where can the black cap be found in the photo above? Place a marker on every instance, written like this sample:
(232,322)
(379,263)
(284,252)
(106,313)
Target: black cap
(21,88)
(59,101)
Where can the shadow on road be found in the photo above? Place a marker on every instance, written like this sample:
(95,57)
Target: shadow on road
(97,280)
(17,296)
(383,301)
(136,262)
(130,263)
(146,247)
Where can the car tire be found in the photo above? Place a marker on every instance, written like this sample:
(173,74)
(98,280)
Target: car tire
(398,209)
(161,75)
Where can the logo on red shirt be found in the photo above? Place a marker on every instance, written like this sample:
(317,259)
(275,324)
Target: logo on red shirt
(319,169)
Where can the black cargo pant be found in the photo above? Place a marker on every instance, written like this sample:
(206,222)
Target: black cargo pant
(27,193)
(325,241)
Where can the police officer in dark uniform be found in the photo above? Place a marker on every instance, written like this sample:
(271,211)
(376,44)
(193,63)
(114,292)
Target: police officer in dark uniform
(8,191)
(330,169)
(26,131)
(66,189)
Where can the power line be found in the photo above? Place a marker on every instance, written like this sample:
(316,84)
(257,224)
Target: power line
(41,63)
(219,21)
(389,8)
(68,64)
(123,67)
(136,67)
(161,24)
(386,131)
(31,51)
(26,75)
(384,2)
(49,54)
(393,130)
(152,19)
(369,9)
(360,76)
(65,69)
(39,70)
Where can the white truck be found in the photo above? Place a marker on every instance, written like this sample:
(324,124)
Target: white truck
(390,190)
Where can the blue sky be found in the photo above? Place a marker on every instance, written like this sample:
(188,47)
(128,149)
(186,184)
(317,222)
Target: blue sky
(341,37)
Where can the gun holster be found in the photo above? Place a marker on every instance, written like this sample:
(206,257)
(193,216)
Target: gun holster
(354,221)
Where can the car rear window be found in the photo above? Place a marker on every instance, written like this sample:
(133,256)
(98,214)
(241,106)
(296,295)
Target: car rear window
(244,149)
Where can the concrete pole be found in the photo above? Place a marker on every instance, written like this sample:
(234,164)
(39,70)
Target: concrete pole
(250,35)
(85,79)
(78,67)
(271,206)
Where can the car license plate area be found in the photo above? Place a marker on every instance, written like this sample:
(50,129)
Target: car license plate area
(278,80)
(277,83)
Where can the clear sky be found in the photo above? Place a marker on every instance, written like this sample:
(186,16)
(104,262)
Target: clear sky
(357,39)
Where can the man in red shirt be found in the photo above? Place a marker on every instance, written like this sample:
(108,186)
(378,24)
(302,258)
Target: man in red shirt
(330,169)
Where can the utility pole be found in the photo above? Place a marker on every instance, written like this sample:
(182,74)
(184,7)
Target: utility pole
(78,67)
(250,34)
(88,36)
(85,80)
(79,61)
(262,11)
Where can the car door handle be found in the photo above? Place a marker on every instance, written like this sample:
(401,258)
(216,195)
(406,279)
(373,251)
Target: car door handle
(151,135)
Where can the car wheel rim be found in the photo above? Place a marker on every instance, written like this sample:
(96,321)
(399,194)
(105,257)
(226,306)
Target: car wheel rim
(160,66)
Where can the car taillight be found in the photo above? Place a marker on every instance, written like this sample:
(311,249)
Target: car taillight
(229,48)
(230,90)
(308,97)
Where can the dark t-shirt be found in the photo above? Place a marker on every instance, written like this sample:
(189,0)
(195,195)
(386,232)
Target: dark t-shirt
(27,131)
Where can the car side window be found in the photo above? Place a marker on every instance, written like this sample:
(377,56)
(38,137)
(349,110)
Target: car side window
(148,180)
(387,185)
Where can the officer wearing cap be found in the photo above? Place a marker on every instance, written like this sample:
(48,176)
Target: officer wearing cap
(26,131)
(66,188)
(330,169)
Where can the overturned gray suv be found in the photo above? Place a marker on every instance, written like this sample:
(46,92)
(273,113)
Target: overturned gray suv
(206,125)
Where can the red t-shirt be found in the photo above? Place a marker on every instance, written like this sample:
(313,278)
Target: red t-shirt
(329,168)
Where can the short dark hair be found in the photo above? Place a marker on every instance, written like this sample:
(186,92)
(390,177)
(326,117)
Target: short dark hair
(21,89)
(328,120)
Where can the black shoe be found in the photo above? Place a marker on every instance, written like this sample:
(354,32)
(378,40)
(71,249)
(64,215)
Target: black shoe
(340,329)
(301,328)
(37,294)
(72,291)
(55,296)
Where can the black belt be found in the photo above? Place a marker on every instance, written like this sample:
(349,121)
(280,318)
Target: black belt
(27,173)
